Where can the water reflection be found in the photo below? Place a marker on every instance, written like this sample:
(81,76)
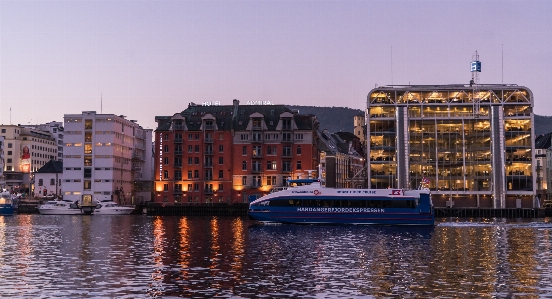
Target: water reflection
(206,257)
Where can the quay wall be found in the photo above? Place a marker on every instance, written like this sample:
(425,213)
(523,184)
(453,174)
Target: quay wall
(240,209)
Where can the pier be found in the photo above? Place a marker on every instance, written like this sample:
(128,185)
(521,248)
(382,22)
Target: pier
(204,209)
(491,213)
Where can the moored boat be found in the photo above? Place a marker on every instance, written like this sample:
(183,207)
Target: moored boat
(314,204)
(59,207)
(112,208)
(6,203)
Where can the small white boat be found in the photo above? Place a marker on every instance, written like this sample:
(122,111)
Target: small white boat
(112,208)
(59,207)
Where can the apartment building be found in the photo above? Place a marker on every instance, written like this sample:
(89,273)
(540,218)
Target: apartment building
(341,164)
(104,154)
(26,150)
(473,143)
(231,153)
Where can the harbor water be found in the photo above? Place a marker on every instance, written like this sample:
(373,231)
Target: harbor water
(138,256)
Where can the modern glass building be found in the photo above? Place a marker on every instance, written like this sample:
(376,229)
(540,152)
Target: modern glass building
(472,145)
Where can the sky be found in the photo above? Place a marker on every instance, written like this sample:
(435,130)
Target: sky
(144,59)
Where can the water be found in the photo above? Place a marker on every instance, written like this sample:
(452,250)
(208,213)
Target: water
(136,256)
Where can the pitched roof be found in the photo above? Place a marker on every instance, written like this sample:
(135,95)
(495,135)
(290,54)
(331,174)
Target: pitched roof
(543,141)
(53,166)
(236,117)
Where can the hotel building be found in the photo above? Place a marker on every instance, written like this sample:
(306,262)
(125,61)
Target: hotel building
(231,153)
(473,144)
(105,157)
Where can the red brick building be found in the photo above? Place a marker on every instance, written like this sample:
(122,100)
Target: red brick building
(231,153)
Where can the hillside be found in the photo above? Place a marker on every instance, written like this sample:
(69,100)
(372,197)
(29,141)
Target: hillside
(340,119)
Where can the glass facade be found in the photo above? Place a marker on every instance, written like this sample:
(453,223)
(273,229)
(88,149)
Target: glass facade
(471,147)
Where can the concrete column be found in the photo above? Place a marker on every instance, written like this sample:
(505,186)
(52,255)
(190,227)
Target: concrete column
(497,157)
(402,146)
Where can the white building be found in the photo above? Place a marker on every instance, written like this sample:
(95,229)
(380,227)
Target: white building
(47,180)
(56,128)
(26,149)
(103,155)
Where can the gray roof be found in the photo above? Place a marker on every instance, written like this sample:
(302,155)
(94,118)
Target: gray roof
(543,141)
(53,166)
(230,117)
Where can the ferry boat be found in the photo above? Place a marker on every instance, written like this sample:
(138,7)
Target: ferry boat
(6,203)
(311,203)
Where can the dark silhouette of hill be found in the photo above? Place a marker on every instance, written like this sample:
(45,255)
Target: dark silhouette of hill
(334,119)
(340,119)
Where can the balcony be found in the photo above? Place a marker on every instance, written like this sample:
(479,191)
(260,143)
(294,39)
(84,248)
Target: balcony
(178,165)
(287,155)
(257,156)
(178,140)
(256,170)
(208,191)
(208,152)
(209,127)
(178,152)
(178,191)
(208,140)
(257,140)
(257,128)
(178,127)
(208,165)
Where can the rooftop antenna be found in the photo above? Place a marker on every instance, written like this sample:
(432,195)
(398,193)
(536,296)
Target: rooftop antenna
(474,83)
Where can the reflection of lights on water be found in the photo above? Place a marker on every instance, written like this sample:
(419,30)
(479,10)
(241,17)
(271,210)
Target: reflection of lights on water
(215,247)
(158,243)
(184,258)
(238,246)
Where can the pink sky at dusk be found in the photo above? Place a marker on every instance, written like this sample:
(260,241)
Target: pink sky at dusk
(152,58)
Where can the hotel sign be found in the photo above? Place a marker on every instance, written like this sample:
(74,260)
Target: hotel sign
(259,103)
(217,103)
